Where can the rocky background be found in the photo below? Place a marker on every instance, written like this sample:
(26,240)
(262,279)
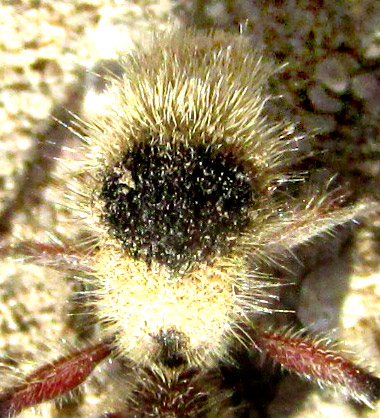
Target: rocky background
(329,87)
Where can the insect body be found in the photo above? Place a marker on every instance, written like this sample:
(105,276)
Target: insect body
(184,185)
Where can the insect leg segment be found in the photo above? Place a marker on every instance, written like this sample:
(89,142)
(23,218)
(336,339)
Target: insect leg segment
(52,380)
(315,361)
(55,255)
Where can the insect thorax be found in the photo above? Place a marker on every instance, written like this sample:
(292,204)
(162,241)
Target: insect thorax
(176,203)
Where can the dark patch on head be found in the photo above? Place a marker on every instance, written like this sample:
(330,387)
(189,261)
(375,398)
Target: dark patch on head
(176,204)
(172,345)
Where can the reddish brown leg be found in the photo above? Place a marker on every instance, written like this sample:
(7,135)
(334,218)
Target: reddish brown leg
(51,255)
(52,380)
(319,363)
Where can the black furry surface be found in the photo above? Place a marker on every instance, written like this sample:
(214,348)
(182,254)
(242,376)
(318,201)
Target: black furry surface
(176,205)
